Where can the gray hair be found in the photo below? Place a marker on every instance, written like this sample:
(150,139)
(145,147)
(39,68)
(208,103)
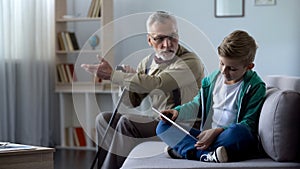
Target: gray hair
(161,17)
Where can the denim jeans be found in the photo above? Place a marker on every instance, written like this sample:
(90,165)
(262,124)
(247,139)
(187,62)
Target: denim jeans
(237,139)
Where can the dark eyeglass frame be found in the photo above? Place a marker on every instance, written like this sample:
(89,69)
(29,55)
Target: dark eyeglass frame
(160,38)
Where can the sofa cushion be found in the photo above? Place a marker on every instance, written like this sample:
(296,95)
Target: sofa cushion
(279,125)
(138,160)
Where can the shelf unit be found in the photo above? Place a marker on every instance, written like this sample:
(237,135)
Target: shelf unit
(86,105)
(81,100)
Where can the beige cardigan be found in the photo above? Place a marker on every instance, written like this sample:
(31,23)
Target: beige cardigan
(185,72)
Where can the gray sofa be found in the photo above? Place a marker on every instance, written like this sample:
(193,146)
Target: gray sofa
(279,130)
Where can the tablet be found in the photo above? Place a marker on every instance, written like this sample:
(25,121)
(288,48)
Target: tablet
(175,124)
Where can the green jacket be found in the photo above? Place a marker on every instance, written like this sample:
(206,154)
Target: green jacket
(250,100)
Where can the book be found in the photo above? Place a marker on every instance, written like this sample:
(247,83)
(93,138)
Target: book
(96,9)
(91,9)
(80,136)
(73,72)
(67,136)
(69,42)
(6,146)
(68,72)
(70,136)
(100,7)
(75,137)
(63,35)
(60,73)
(74,40)
(61,45)
(64,73)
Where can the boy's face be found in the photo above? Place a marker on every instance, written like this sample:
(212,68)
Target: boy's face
(233,70)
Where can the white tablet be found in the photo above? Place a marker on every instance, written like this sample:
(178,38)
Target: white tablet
(175,124)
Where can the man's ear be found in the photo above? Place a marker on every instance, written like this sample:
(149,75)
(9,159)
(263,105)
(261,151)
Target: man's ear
(250,66)
(149,40)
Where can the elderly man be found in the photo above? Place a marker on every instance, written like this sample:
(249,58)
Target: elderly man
(169,77)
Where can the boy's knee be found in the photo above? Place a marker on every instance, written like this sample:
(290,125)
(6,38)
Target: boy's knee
(238,129)
(240,132)
(161,127)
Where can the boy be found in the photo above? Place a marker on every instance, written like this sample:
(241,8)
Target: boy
(230,101)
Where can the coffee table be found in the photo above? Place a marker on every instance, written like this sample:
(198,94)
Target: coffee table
(34,158)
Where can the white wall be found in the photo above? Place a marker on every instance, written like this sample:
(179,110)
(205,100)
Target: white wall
(275,28)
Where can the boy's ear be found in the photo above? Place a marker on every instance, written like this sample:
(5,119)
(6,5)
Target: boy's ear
(250,66)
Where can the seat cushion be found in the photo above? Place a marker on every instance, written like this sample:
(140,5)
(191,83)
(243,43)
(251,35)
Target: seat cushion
(279,125)
(140,158)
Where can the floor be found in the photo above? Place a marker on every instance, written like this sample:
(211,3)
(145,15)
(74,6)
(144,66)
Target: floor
(73,159)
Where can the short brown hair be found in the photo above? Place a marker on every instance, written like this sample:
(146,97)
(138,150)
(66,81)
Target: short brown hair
(238,45)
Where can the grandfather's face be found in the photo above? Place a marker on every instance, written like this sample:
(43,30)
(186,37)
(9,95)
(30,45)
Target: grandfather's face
(164,39)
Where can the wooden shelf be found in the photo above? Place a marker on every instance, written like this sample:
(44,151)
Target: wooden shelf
(77,51)
(86,87)
(88,93)
(80,19)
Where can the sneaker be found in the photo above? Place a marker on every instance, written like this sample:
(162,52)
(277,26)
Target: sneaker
(217,156)
(172,153)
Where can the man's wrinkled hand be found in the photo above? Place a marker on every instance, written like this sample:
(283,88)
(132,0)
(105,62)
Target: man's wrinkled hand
(102,70)
(128,69)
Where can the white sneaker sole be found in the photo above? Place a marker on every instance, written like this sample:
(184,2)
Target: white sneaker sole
(222,154)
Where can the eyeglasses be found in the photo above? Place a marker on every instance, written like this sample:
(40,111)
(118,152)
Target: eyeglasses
(160,38)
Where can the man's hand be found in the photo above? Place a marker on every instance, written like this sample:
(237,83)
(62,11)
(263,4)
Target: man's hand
(128,69)
(207,137)
(102,70)
(172,114)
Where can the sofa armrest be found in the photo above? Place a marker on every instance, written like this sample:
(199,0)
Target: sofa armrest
(279,123)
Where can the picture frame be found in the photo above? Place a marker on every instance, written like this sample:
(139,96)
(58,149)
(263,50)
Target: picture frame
(265,2)
(229,8)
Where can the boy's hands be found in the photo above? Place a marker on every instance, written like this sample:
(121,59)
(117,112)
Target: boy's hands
(172,114)
(207,137)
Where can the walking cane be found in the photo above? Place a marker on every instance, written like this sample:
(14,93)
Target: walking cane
(98,155)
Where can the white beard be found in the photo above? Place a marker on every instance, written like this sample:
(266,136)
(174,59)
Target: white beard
(165,58)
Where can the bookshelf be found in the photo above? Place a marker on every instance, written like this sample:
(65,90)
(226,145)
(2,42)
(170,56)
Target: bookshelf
(81,98)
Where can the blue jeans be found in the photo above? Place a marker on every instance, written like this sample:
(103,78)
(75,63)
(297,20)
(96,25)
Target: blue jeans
(238,140)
